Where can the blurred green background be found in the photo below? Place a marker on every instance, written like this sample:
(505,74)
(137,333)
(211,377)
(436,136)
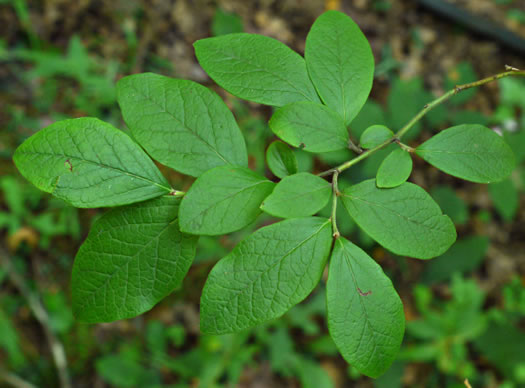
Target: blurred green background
(465,310)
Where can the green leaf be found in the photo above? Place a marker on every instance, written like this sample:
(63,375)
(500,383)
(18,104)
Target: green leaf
(365,314)
(281,159)
(404,219)
(340,63)
(310,126)
(265,275)
(464,256)
(89,163)
(375,135)
(180,123)
(133,257)
(256,68)
(223,200)
(506,198)
(452,205)
(395,169)
(225,23)
(372,113)
(463,73)
(298,195)
(470,152)
(405,100)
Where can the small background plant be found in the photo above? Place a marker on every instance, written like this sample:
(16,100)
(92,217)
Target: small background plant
(448,200)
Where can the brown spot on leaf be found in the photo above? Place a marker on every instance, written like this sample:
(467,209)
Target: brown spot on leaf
(363,293)
(68,165)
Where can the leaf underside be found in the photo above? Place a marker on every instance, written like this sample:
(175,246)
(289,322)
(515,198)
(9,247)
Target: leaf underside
(281,160)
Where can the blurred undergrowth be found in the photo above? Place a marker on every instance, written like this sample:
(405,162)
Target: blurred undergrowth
(460,325)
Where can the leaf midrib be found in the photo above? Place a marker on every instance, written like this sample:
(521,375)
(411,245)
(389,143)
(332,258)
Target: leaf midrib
(190,130)
(257,68)
(278,262)
(97,164)
(215,204)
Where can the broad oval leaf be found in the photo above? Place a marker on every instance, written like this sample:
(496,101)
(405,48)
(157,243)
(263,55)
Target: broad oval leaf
(395,169)
(281,159)
(265,275)
(298,195)
(365,314)
(374,136)
(180,123)
(89,163)
(223,200)
(256,68)
(470,151)
(405,219)
(133,257)
(340,63)
(310,126)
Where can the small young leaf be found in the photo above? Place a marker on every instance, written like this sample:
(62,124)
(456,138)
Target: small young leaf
(404,219)
(89,163)
(133,257)
(256,68)
(470,152)
(371,114)
(395,169)
(180,123)
(298,195)
(375,135)
(340,63)
(310,126)
(223,200)
(365,314)
(265,275)
(281,159)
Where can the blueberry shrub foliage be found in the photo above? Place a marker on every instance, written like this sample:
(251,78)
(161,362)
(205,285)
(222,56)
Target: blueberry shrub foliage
(139,252)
